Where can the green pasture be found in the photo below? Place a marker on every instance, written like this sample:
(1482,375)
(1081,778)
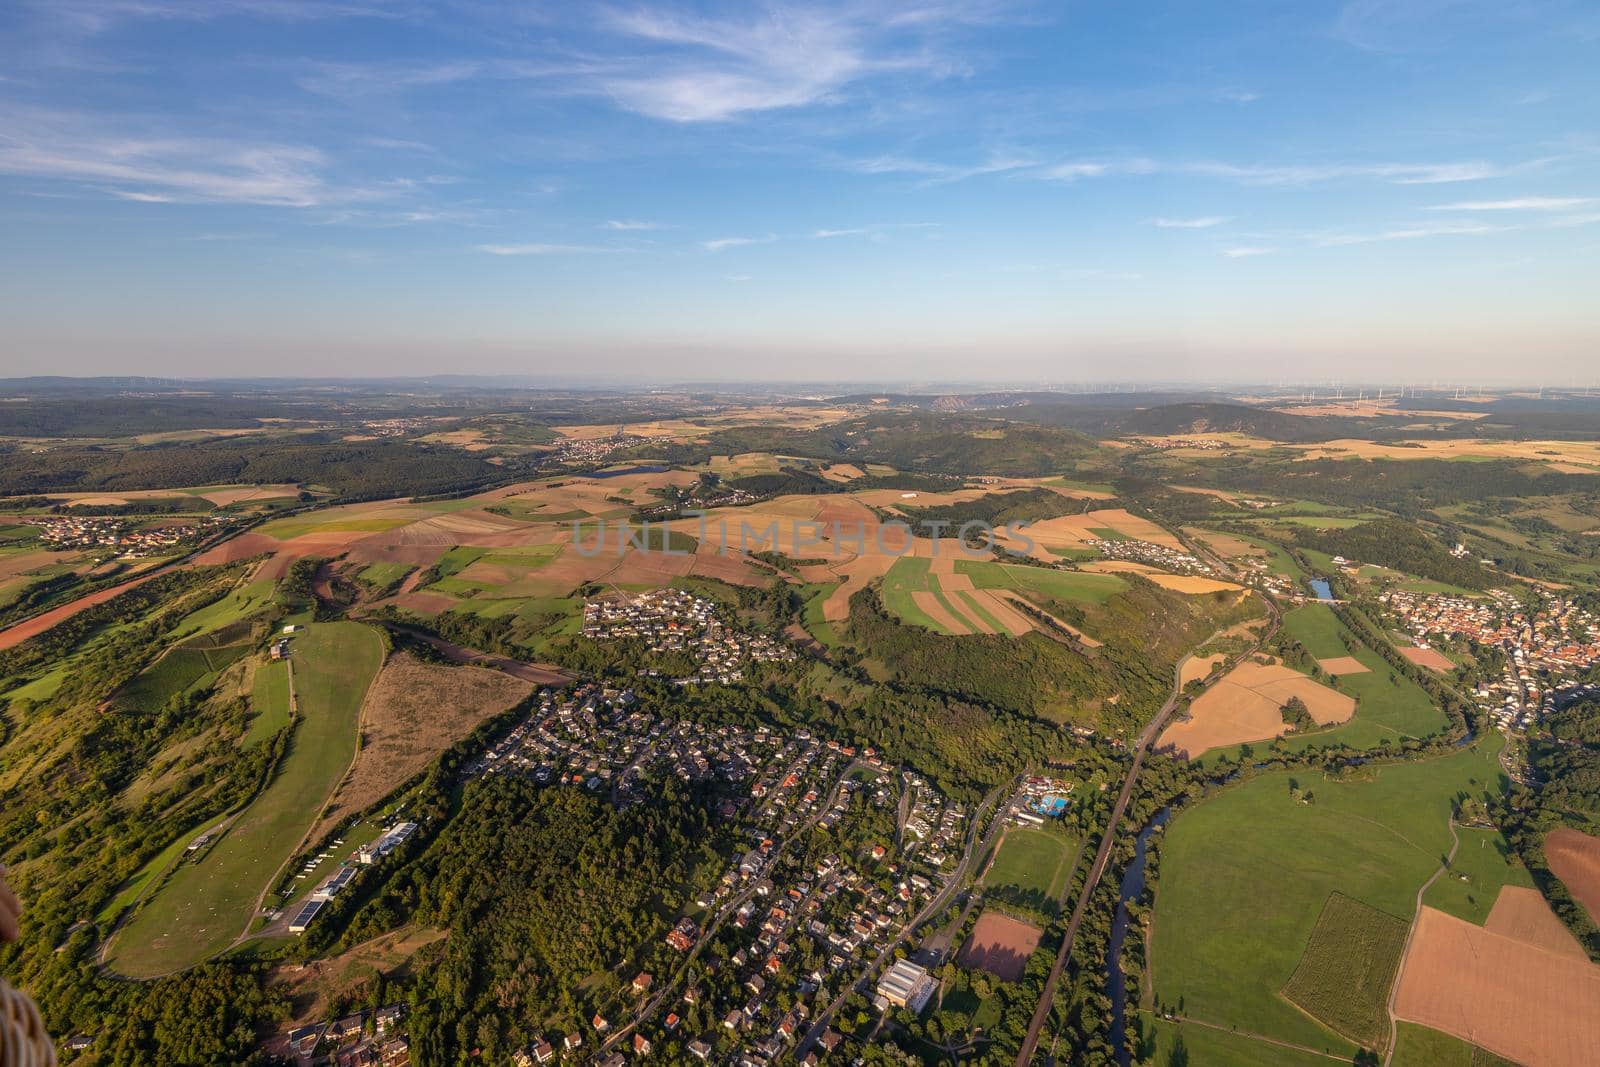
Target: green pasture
(204,907)
(1084,587)
(1246,875)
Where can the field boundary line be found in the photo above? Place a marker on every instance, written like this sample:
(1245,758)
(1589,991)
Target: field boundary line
(1411,933)
(1263,1038)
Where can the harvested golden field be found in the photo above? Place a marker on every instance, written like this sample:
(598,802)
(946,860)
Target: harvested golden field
(1339,665)
(1584,455)
(1515,999)
(1574,857)
(1198,667)
(1523,914)
(413,712)
(1245,706)
(1193,584)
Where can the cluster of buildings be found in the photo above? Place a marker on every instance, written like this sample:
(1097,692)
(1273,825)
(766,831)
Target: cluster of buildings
(576,452)
(596,738)
(1171,559)
(933,828)
(1547,648)
(785,929)
(795,934)
(362,1039)
(1167,444)
(69,531)
(1040,798)
(334,884)
(1259,573)
(672,620)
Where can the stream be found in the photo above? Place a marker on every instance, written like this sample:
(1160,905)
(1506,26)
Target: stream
(1116,983)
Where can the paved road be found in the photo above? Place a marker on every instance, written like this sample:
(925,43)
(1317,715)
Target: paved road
(1041,1012)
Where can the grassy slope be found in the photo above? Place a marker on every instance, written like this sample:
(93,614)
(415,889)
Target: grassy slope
(906,576)
(270,702)
(1376,840)
(205,905)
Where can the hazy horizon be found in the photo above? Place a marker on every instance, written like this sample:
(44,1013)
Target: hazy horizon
(1400,191)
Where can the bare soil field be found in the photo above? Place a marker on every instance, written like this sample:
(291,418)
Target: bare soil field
(1515,999)
(15,635)
(242,547)
(843,472)
(20,563)
(1427,657)
(414,711)
(1226,545)
(1000,945)
(1574,857)
(1339,665)
(1523,914)
(1245,706)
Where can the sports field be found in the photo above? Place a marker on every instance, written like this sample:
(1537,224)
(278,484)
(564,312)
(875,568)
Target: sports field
(205,906)
(1246,875)
(1034,865)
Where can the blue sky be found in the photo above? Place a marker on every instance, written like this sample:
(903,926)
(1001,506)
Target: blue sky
(1057,192)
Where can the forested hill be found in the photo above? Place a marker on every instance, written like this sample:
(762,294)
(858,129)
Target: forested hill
(357,469)
(946,444)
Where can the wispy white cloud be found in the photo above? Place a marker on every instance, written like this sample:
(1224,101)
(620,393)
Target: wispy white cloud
(163,168)
(875,230)
(1408,233)
(1245,251)
(1313,173)
(938,173)
(711,69)
(1525,203)
(541,249)
(1204,222)
(720,243)
(630,225)
(95,16)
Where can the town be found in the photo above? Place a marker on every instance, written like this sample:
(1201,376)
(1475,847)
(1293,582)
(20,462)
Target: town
(1548,648)
(71,531)
(671,620)
(775,933)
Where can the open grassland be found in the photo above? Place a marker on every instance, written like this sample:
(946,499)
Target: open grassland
(1245,877)
(1385,699)
(1418,1046)
(1483,863)
(1186,1044)
(206,905)
(1344,976)
(269,702)
(1072,587)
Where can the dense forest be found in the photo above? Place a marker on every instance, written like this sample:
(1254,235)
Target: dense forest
(359,469)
